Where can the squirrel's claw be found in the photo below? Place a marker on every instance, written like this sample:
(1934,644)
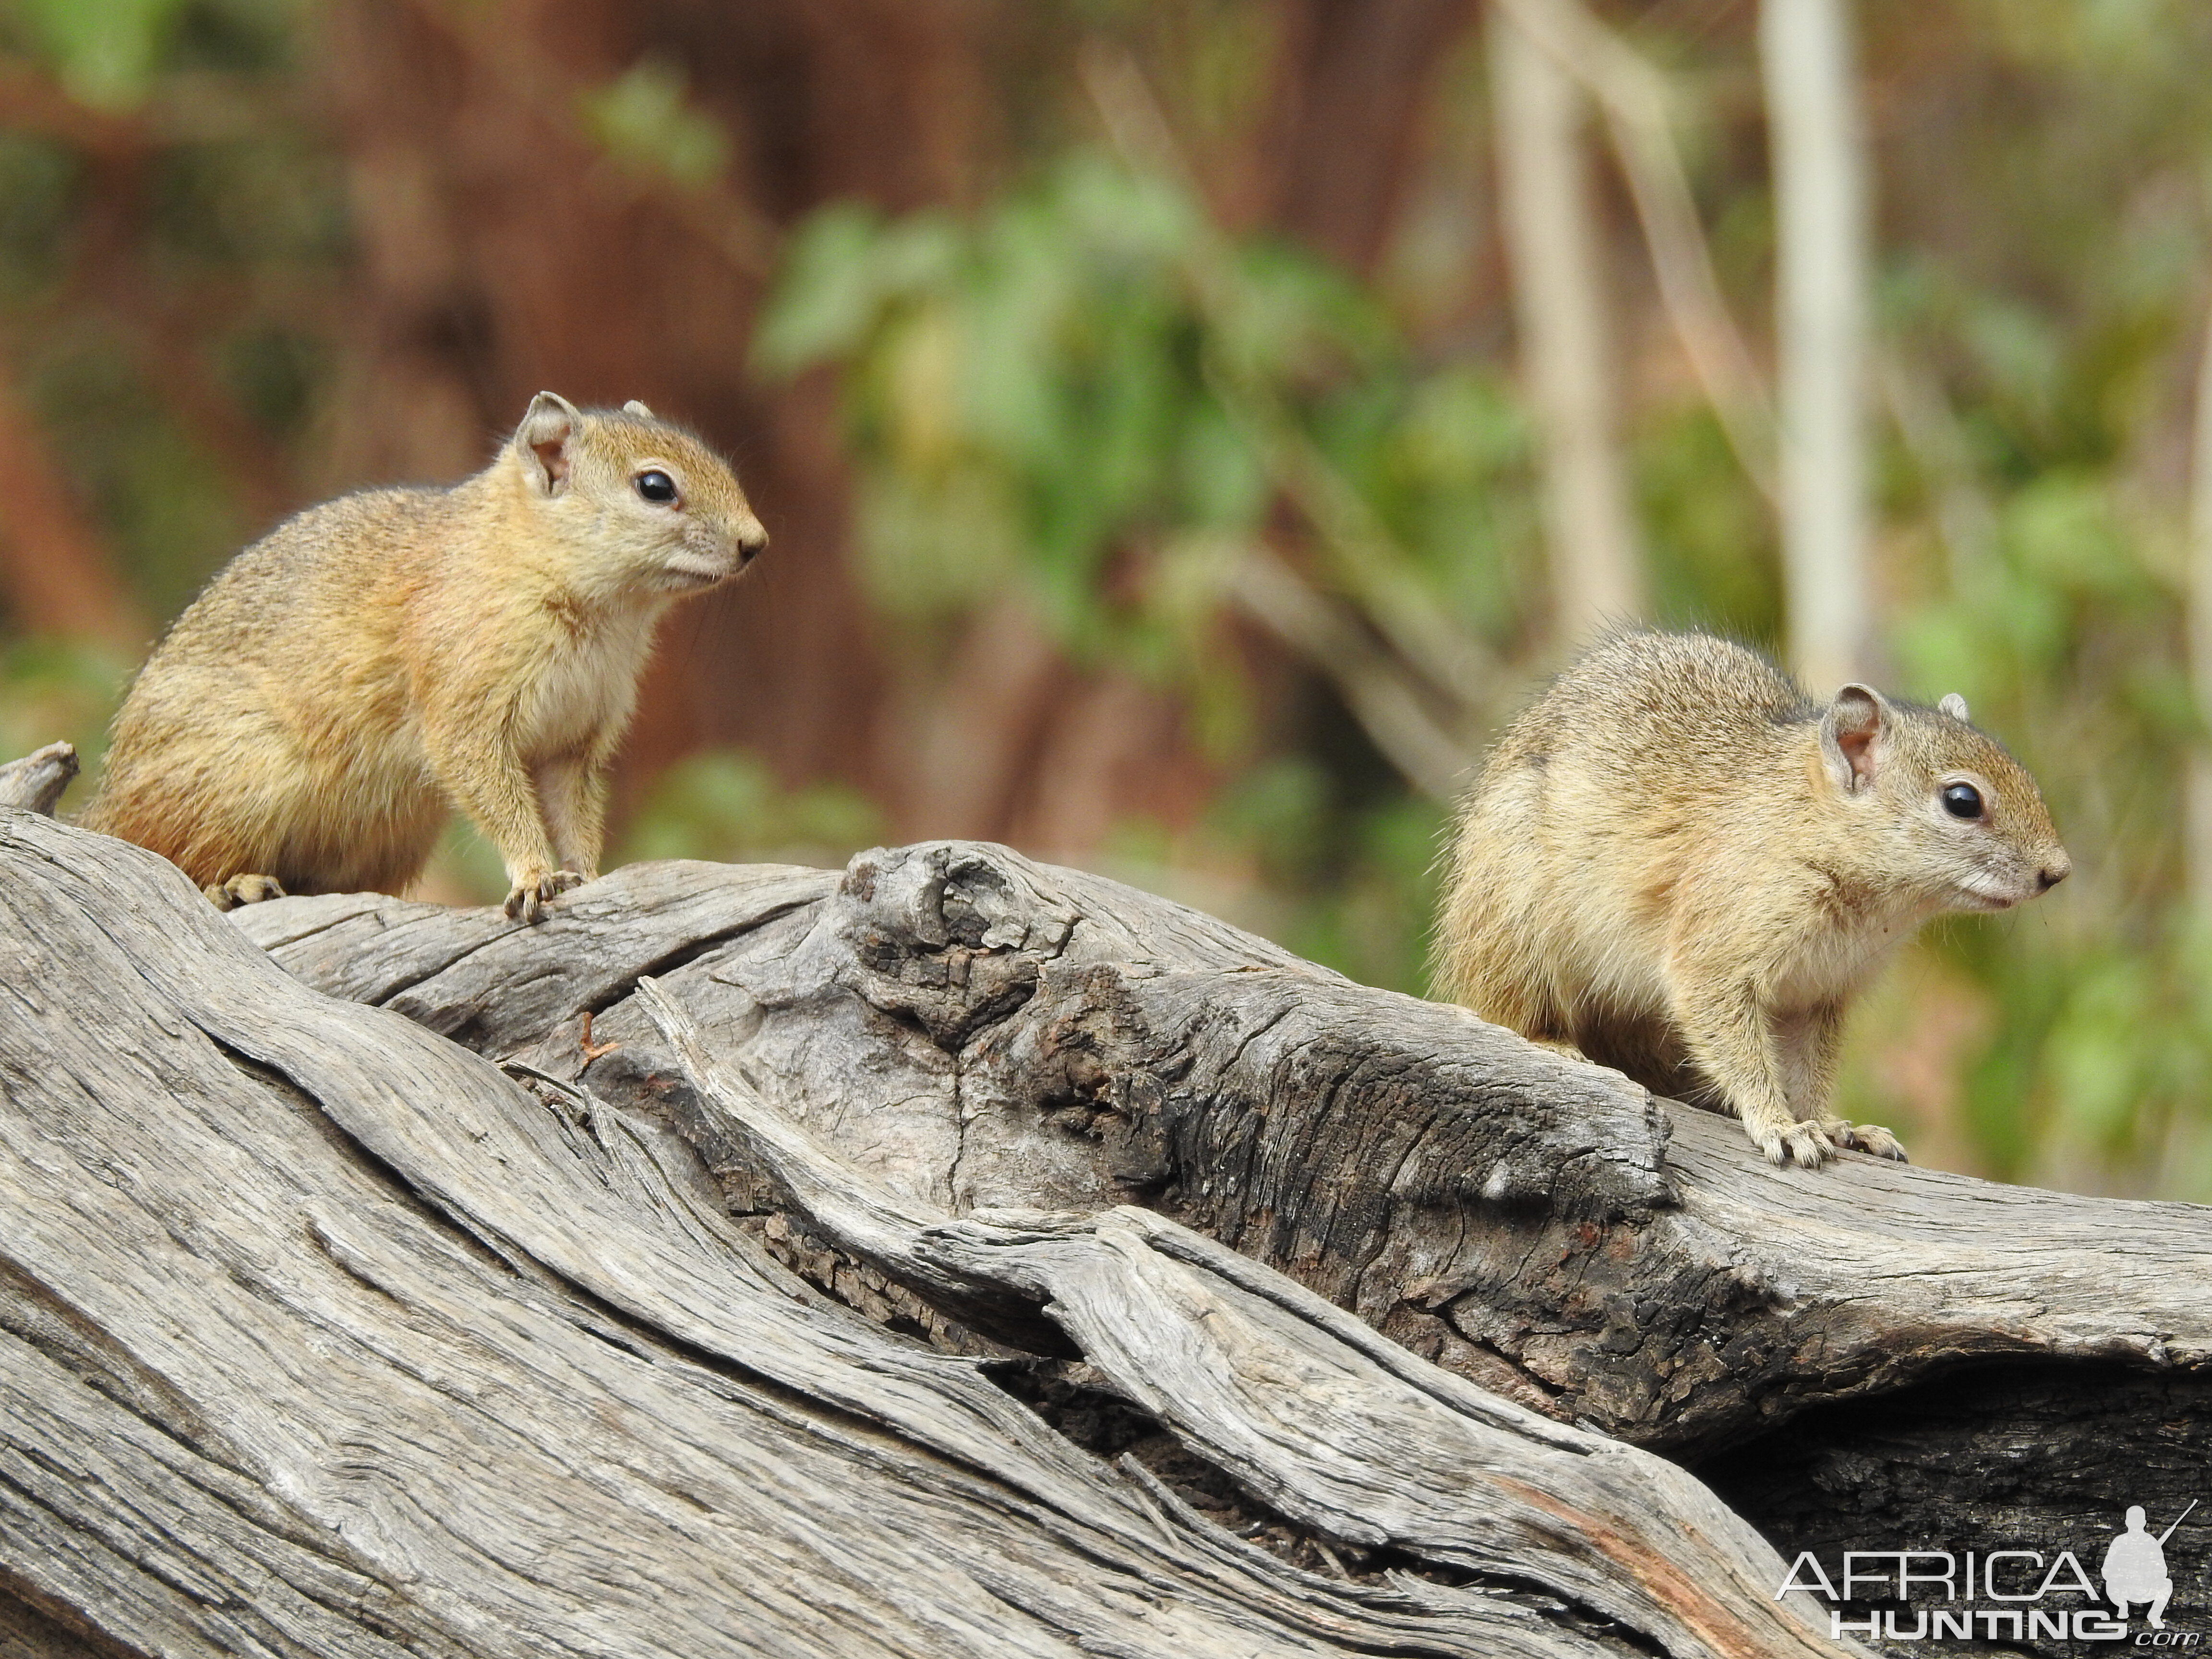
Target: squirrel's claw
(1810,1144)
(242,890)
(531,893)
(1804,1145)
(1867,1137)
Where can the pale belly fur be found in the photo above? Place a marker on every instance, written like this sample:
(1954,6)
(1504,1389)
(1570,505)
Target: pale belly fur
(586,689)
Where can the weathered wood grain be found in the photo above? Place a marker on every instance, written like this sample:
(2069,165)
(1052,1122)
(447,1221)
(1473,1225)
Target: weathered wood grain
(35,783)
(974,1029)
(319,1336)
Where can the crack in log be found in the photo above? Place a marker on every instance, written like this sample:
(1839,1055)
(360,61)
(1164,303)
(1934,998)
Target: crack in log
(1071,1398)
(2042,1440)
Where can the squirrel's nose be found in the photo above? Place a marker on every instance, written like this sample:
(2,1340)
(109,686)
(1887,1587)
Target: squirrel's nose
(2052,873)
(752,541)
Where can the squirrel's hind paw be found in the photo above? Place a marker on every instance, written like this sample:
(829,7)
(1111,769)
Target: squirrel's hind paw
(532,894)
(242,890)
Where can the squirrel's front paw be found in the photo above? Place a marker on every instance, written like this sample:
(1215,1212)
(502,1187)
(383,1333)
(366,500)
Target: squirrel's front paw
(1867,1137)
(242,890)
(531,893)
(1805,1144)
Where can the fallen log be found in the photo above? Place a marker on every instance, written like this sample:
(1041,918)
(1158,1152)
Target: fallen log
(321,1335)
(1868,1356)
(854,1281)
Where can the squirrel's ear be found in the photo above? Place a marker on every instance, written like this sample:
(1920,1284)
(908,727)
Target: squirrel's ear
(1848,734)
(1954,705)
(542,441)
(634,407)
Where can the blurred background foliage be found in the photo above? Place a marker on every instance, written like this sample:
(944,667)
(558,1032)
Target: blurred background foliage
(1131,387)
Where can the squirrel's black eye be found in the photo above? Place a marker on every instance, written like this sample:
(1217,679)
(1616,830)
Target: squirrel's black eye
(1962,800)
(657,487)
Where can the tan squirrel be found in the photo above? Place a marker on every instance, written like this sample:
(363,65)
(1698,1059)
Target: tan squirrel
(1677,863)
(307,724)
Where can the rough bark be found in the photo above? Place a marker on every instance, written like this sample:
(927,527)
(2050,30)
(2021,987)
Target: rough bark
(35,783)
(978,1030)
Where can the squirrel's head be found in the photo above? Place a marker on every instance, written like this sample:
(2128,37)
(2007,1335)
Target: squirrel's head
(647,507)
(1961,820)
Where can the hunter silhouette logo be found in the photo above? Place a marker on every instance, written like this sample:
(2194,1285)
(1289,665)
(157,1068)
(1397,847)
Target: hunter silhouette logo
(2135,1567)
(2008,1594)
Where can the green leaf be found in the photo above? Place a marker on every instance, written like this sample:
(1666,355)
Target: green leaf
(644,120)
(841,269)
(2062,530)
(105,52)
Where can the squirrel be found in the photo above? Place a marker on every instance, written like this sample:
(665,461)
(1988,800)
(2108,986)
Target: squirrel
(307,723)
(1677,863)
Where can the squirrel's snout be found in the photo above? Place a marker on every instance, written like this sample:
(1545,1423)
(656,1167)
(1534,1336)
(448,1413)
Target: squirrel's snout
(2056,868)
(752,541)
